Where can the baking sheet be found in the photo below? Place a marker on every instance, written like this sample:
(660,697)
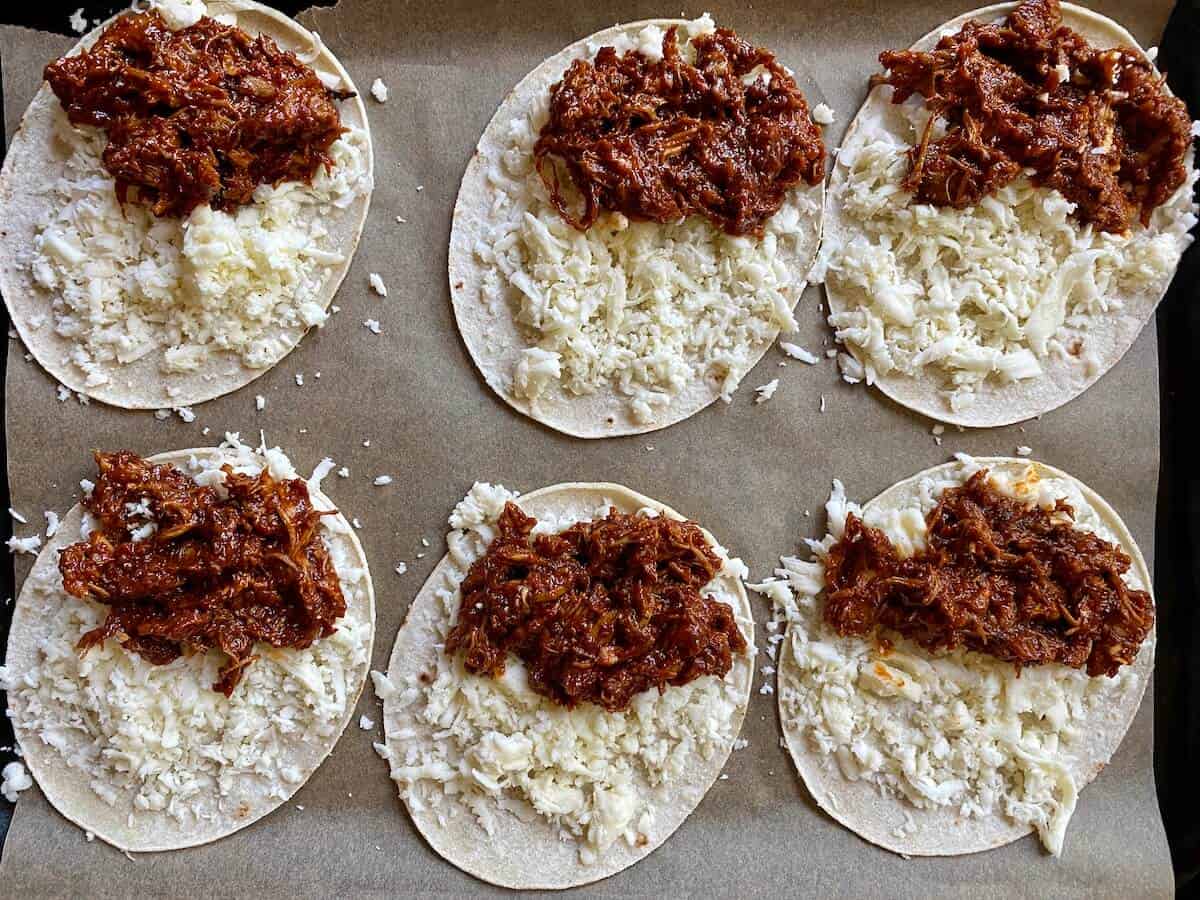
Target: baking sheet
(747,472)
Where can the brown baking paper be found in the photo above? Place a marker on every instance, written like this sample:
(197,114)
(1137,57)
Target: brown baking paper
(748,472)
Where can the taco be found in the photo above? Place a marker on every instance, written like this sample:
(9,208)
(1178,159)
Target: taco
(556,705)
(168,243)
(1006,211)
(613,275)
(963,655)
(189,645)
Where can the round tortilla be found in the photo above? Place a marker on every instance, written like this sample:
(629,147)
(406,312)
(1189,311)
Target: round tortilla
(943,831)
(1061,380)
(531,855)
(68,789)
(495,341)
(34,163)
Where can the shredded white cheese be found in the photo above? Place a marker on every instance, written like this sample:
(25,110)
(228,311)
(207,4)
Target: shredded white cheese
(637,307)
(958,730)
(379,90)
(766,391)
(24,545)
(158,738)
(983,293)
(15,779)
(127,285)
(464,745)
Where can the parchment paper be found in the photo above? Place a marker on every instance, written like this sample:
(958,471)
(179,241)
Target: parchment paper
(747,472)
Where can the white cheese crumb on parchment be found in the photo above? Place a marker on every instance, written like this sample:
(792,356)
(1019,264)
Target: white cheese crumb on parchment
(741,744)
(379,90)
(299,379)
(1022,450)
(797,352)
(766,391)
(185,413)
(822,114)
(78,21)
(381,480)
(24,545)
(17,516)
(377,284)
(372,325)
(822,403)
(366,723)
(162,414)
(52,523)
(401,568)
(16,779)
(260,402)
(343,472)
(64,393)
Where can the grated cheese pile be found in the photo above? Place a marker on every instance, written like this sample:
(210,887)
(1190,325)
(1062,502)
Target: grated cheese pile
(639,308)
(984,294)
(957,730)
(157,738)
(127,285)
(465,745)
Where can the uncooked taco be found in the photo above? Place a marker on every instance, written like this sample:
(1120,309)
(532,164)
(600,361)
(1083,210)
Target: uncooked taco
(152,260)
(963,655)
(614,270)
(1006,211)
(189,645)
(567,684)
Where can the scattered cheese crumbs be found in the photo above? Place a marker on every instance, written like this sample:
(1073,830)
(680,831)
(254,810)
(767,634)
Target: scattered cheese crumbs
(1022,450)
(852,369)
(831,353)
(939,428)
(185,413)
(343,472)
(260,402)
(796,352)
(355,522)
(723,777)
(89,836)
(366,443)
(162,414)
(822,114)
(24,545)
(86,486)
(424,542)
(16,779)
(372,325)
(379,90)
(402,220)
(766,391)
(16,515)
(205,430)
(741,744)
(52,523)
(64,393)
(78,21)
(822,403)
(299,379)
(420,556)
(381,480)
(377,284)
(366,723)
(401,568)
(300,806)
(766,688)
(420,187)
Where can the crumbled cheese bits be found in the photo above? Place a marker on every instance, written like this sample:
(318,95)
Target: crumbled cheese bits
(151,758)
(515,789)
